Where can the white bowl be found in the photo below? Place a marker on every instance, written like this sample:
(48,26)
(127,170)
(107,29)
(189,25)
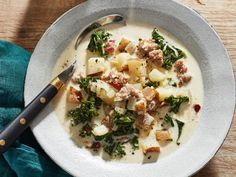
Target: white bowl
(197,36)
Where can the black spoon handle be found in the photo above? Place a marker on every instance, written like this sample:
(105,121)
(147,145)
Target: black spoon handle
(14,129)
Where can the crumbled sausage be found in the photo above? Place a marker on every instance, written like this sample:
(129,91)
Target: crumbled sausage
(180,68)
(184,79)
(147,49)
(116,79)
(126,92)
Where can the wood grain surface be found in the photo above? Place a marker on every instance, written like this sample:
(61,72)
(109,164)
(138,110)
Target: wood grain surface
(24,21)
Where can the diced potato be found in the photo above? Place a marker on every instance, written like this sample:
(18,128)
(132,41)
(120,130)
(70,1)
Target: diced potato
(95,65)
(130,48)
(74,95)
(156,75)
(137,68)
(148,119)
(100,130)
(131,103)
(155,149)
(140,105)
(120,61)
(163,93)
(104,91)
(149,93)
(163,135)
(137,86)
(123,43)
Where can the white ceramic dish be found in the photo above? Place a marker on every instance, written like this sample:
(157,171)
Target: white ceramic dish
(194,32)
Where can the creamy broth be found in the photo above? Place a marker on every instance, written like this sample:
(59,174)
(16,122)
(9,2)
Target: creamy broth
(132,31)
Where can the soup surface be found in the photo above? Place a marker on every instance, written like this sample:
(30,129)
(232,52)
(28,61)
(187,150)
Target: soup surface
(135,96)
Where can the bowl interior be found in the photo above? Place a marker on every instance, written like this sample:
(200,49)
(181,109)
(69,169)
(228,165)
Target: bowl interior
(193,32)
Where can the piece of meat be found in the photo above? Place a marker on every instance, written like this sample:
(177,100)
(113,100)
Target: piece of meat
(147,49)
(145,46)
(156,56)
(110,47)
(126,92)
(180,68)
(184,80)
(74,95)
(152,105)
(116,79)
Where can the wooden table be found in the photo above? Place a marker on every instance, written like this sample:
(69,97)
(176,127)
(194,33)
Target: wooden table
(24,21)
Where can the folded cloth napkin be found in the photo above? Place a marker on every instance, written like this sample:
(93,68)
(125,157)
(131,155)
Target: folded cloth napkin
(25,158)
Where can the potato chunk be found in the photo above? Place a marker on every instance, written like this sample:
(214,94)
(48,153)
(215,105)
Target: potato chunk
(100,130)
(156,75)
(163,135)
(104,91)
(120,61)
(137,68)
(149,93)
(122,45)
(95,65)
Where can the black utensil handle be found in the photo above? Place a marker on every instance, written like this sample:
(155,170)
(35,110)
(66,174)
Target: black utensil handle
(21,122)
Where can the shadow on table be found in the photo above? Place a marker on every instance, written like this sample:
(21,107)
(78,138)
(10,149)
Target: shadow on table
(38,17)
(208,171)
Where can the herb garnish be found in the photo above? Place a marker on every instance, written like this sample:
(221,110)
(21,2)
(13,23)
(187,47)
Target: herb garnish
(86,130)
(171,53)
(154,84)
(175,102)
(180,128)
(169,120)
(124,128)
(84,83)
(84,113)
(98,41)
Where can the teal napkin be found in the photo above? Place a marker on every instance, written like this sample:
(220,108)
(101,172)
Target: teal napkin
(25,158)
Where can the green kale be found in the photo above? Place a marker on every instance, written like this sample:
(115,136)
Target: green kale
(175,102)
(86,130)
(121,119)
(180,128)
(110,146)
(170,52)
(114,149)
(134,143)
(168,120)
(84,113)
(171,82)
(84,83)
(98,41)
(152,84)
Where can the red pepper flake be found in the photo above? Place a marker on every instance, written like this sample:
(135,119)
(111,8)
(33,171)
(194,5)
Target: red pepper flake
(117,86)
(110,47)
(197,108)
(96,145)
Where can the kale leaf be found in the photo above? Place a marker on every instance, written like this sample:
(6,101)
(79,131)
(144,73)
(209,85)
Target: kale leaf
(168,120)
(154,84)
(98,41)
(84,113)
(170,52)
(84,83)
(180,128)
(175,102)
